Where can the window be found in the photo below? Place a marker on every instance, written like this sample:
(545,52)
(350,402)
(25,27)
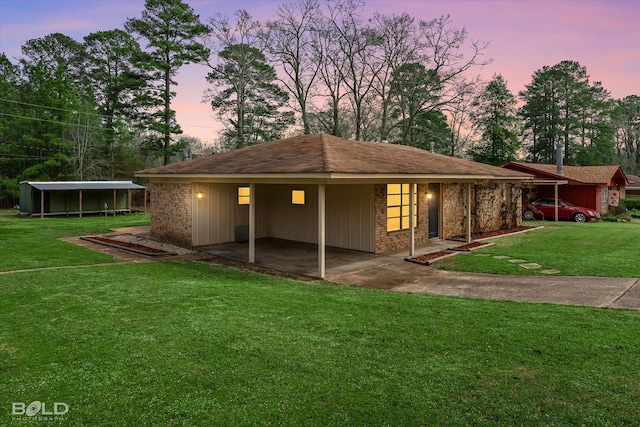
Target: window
(297,197)
(244,195)
(398,207)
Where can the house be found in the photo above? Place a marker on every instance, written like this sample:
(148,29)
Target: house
(633,187)
(76,197)
(594,187)
(330,191)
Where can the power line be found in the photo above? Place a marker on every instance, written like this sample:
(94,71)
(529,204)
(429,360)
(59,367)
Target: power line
(49,121)
(80,112)
(53,108)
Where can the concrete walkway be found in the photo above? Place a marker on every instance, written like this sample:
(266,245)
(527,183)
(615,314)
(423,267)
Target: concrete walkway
(402,276)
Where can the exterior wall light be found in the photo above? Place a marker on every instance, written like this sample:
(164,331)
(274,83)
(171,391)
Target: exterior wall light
(429,196)
(200,195)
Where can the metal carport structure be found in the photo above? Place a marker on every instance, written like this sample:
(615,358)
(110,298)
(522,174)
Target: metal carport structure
(76,197)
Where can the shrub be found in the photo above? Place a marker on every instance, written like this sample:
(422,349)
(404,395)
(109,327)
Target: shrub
(632,203)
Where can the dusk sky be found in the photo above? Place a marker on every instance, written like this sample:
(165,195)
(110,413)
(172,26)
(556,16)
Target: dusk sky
(524,36)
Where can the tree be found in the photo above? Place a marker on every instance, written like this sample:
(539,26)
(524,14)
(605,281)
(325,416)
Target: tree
(287,43)
(354,50)
(459,111)
(114,75)
(246,96)
(412,88)
(398,46)
(496,118)
(562,108)
(171,29)
(626,118)
(56,51)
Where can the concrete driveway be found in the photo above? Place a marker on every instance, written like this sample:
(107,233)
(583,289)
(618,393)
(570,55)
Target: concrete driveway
(402,276)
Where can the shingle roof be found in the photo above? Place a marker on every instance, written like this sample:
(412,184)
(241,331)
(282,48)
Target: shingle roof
(326,154)
(584,174)
(634,181)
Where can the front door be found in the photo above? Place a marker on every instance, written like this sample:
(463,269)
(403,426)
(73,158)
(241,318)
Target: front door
(434,209)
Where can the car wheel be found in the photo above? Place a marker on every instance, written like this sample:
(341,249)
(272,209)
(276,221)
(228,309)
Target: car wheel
(580,217)
(528,214)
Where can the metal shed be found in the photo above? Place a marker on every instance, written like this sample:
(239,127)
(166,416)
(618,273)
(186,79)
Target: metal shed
(76,197)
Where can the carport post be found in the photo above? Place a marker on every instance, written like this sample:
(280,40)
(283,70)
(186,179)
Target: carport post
(321,231)
(412,228)
(555,200)
(252,222)
(468,236)
(41,203)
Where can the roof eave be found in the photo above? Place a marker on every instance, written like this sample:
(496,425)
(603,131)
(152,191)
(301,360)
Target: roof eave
(336,177)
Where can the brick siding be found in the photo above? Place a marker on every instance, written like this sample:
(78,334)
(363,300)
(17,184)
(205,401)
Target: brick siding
(171,212)
(494,206)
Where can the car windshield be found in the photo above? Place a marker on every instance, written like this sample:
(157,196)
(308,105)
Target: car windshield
(567,203)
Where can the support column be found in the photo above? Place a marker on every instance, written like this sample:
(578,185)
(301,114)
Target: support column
(321,231)
(80,203)
(41,203)
(252,222)
(114,202)
(468,236)
(555,201)
(412,227)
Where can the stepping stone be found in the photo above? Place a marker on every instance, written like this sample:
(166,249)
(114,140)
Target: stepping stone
(549,271)
(483,254)
(501,257)
(531,266)
(517,261)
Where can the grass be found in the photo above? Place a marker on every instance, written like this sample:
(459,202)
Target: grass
(604,249)
(33,242)
(179,343)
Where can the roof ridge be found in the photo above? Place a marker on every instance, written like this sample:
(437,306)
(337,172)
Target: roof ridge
(324,153)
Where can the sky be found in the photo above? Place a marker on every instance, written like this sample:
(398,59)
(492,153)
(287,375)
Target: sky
(523,36)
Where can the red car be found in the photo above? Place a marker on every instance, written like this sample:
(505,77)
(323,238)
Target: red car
(565,211)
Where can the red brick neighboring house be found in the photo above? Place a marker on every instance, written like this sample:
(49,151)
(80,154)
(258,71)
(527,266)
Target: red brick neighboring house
(330,191)
(587,186)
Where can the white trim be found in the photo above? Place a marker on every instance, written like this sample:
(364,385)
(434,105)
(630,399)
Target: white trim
(321,231)
(252,223)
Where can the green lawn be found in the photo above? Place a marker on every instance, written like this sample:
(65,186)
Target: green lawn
(592,249)
(177,343)
(33,242)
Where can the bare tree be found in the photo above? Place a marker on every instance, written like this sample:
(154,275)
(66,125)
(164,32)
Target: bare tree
(459,112)
(287,42)
(356,47)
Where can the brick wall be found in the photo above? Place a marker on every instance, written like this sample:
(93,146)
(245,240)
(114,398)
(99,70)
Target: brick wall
(494,206)
(171,212)
(454,210)
(396,240)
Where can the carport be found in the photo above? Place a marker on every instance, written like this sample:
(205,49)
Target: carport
(77,197)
